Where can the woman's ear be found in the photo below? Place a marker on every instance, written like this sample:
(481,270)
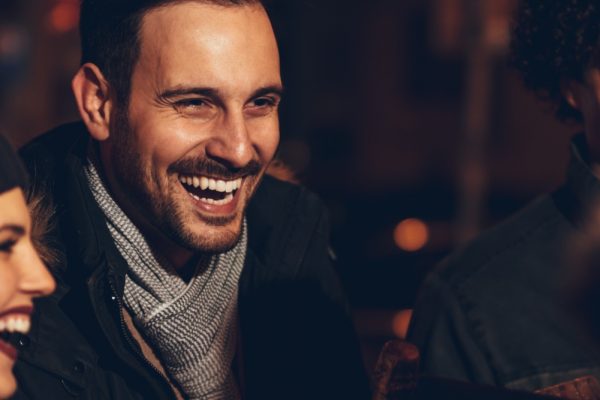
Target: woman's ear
(92,94)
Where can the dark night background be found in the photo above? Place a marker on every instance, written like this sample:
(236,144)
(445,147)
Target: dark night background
(396,110)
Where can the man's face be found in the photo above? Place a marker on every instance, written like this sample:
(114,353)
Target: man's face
(202,122)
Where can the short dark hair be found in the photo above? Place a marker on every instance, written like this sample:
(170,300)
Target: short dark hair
(553,41)
(109,31)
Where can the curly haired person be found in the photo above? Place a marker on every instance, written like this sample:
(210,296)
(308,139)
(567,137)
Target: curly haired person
(495,312)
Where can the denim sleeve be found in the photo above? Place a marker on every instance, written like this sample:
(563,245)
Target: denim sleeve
(442,331)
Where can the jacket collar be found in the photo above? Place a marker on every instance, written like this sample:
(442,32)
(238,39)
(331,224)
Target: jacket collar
(581,192)
(84,225)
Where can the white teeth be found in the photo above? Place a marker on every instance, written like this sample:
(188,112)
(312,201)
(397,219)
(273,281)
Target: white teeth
(15,324)
(226,200)
(204,183)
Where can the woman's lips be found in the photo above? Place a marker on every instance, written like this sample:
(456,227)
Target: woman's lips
(13,320)
(8,349)
(28,310)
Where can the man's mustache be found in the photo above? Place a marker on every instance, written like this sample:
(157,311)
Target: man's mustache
(212,168)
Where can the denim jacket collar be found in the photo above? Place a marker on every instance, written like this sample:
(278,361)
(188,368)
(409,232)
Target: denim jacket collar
(581,192)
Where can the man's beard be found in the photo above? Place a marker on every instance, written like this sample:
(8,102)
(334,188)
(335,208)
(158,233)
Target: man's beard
(162,211)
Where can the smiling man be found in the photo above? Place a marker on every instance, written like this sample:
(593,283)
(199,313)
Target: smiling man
(189,273)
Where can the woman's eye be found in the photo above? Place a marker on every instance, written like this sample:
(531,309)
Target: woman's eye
(7,246)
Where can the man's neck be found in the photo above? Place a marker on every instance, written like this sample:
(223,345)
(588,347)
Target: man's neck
(166,251)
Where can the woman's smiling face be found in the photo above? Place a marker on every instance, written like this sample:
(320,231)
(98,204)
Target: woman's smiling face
(23,277)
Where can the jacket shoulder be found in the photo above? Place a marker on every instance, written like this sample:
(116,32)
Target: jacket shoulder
(44,153)
(275,199)
(528,241)
(284,221)
(487,307)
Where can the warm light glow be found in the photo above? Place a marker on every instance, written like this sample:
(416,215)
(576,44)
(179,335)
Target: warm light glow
(400,323)
(64,16)
(411,234)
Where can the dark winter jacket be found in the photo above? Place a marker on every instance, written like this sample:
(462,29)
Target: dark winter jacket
(297,341)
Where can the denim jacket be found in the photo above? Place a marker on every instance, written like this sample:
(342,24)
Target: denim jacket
(494,312)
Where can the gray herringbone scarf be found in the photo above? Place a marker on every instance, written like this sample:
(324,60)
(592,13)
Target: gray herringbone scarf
(192,326)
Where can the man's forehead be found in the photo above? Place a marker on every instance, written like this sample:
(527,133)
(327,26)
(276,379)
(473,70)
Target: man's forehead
(204,20)
(200,28)
(199,43)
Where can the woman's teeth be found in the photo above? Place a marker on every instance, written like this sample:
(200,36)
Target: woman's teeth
(15,324)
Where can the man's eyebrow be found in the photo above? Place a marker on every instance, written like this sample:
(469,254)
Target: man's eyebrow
(214,93)
(183,91)
(17,229)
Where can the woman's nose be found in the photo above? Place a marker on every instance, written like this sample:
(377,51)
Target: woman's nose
(36,280)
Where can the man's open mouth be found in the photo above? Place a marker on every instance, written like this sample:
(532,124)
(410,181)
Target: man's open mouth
(210,190)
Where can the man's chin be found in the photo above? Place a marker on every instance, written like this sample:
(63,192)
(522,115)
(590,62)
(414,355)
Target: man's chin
(221,221)
(214,235)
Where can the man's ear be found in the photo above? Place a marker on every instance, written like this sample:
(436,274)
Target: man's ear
(572,92)
(92,94)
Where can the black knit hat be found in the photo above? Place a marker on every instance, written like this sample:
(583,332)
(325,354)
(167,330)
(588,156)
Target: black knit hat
(12,173)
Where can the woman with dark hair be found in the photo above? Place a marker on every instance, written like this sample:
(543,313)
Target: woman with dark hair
(23,276)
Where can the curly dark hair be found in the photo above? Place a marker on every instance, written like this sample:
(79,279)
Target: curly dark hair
(553,41)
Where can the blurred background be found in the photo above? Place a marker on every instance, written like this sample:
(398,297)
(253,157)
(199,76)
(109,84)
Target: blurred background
(401,114)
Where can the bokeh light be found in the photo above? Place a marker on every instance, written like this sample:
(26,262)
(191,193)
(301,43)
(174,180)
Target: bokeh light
(412,234)
(64,16)
(400,323)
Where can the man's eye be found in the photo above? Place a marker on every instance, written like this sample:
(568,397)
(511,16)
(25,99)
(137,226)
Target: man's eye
(265,102)
(192,103)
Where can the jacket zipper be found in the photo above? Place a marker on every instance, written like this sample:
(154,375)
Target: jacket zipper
(131,342)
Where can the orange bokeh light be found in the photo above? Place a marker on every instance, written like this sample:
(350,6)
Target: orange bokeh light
(400,323)
(411,234)
(64,16)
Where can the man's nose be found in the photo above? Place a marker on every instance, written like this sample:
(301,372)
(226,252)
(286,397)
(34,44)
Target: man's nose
(231,143)
(36,280)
